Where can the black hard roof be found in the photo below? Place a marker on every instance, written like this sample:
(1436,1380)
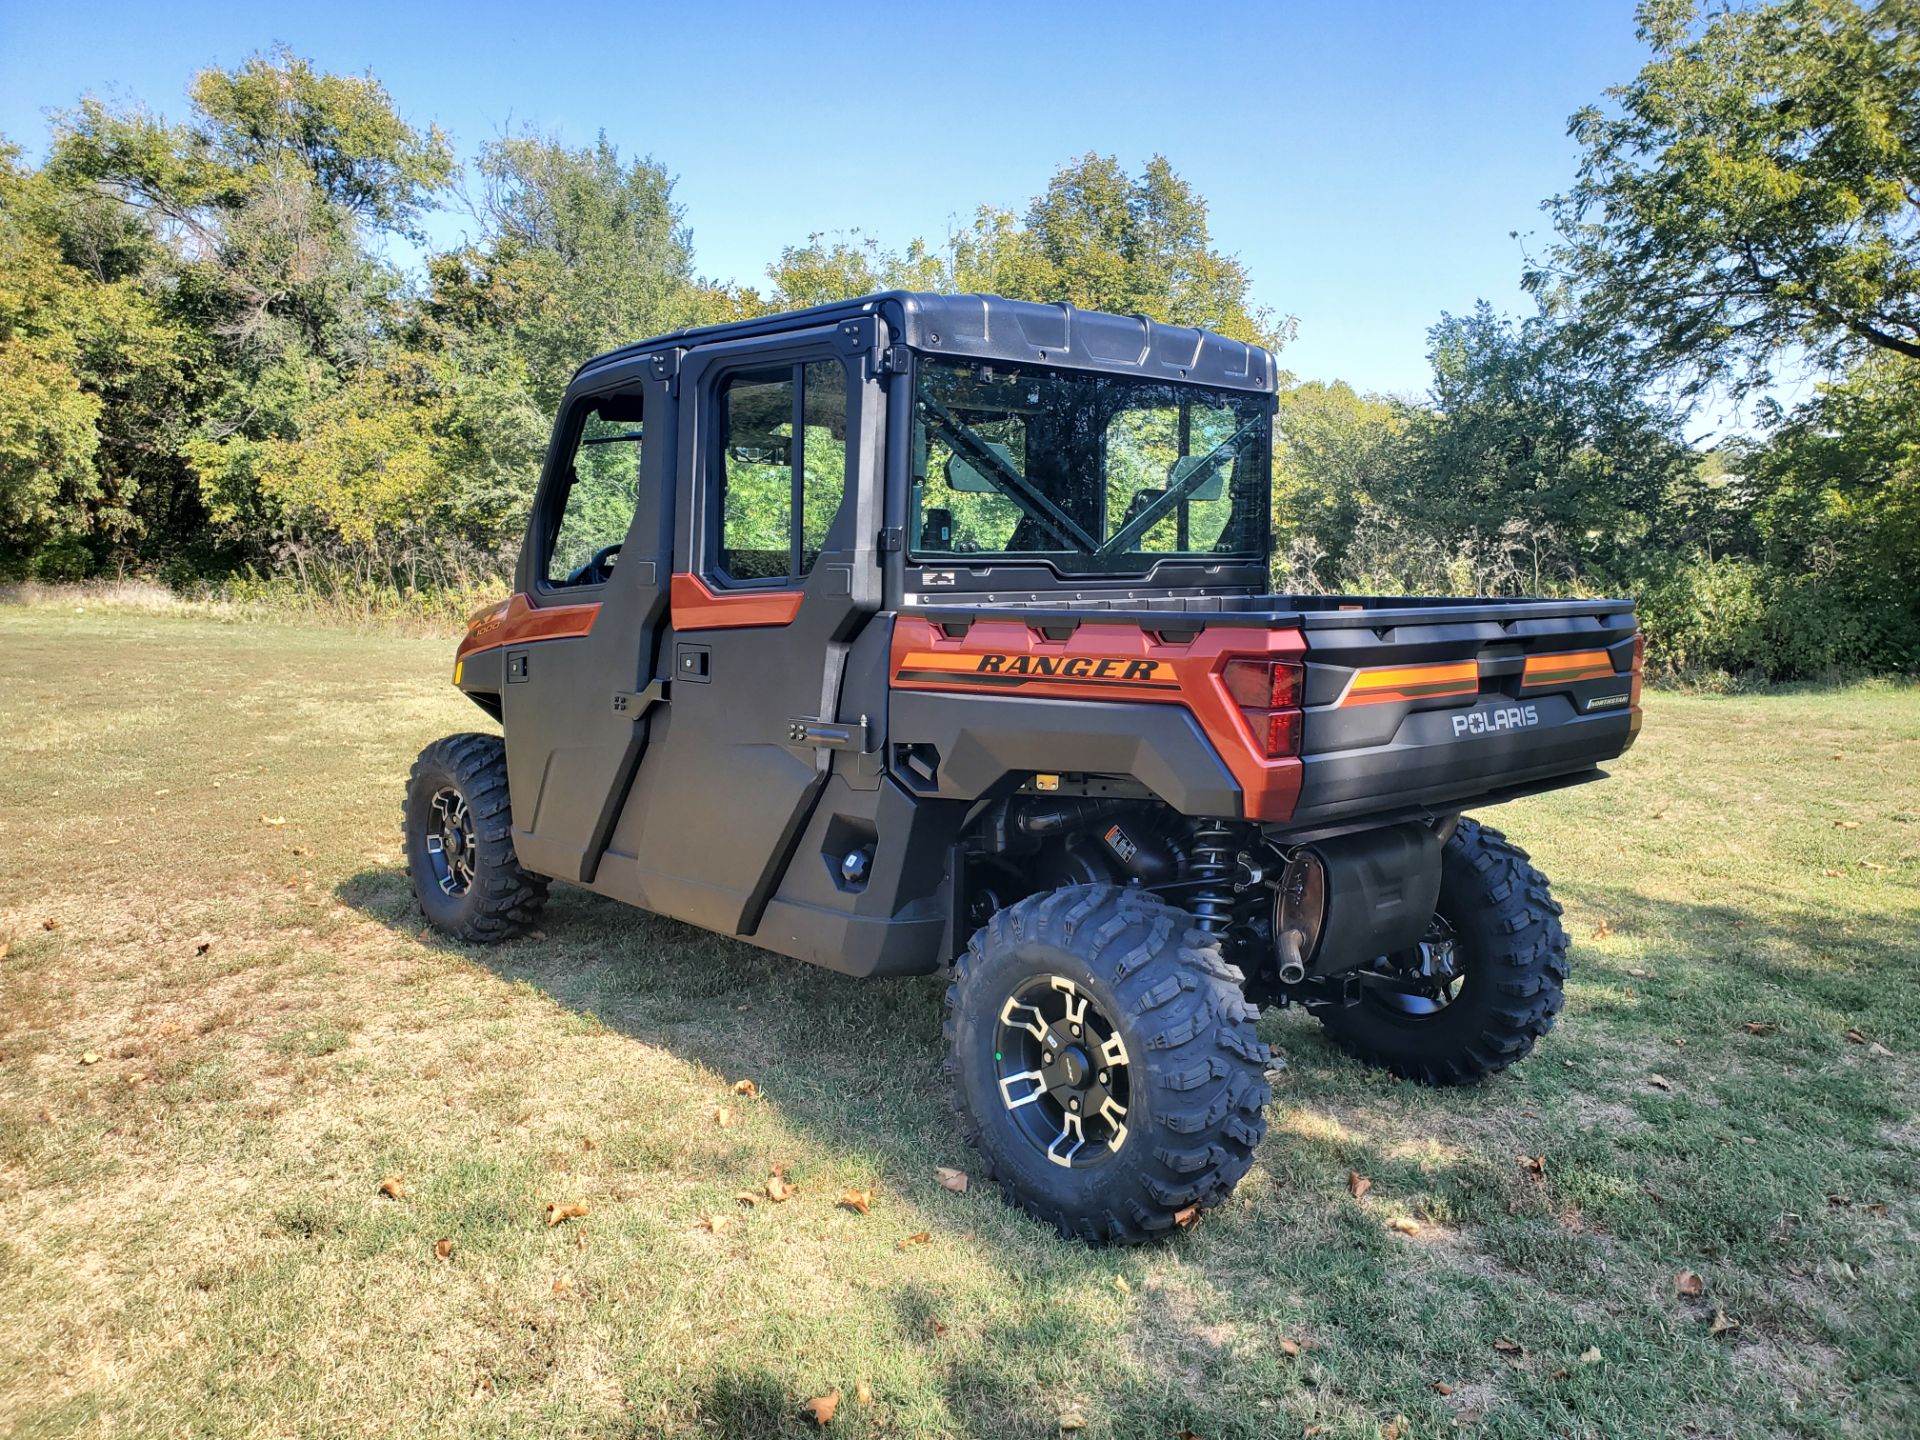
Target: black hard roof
(987,327)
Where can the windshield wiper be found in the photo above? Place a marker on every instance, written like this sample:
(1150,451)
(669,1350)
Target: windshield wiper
(1127,534)
(1015,486)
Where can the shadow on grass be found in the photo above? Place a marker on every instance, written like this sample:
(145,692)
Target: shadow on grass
(855,1066)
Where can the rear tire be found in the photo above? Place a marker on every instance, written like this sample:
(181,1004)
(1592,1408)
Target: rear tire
(1173,1070)
(458,837)
(1511,954)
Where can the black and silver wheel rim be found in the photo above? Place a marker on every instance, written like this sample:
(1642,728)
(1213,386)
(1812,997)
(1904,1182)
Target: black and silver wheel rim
(1063,1072)
(451,843)
(1421,982)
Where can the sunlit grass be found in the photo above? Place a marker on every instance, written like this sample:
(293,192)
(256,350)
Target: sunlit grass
(192,1242)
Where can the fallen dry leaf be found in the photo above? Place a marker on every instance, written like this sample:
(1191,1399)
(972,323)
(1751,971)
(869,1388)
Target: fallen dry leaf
(778,1190)
(586,1143)
(821,1407)
(202,948)
(560,1285)
(1602,930)
(1878,1207)
(4,947)
(483,1385)
(1509,1347)
(1659,1081)
(863,1392)
(746,1088)
(1833,874)
(1591,1355)
(1760,1027)
(1289,1348)
(860,1200)
(924,1237)
(274,820)
(49,923)
(91,1057)
(1876,1048)
(1561,1373)
(557,1212)
(723,1117)
(936,1327)
(950,1179)
(442,1248)
(1072,1420)
(1357,1184)
(1397,1428)
(1534,1164)
(1874,865)
(1856,1038)
(1639,974)
(1689,1284)
(1187,1218)
(392,1188)
(746,1198)
(1440,1387)
(1404,1225)
(1846,824)
(1723,1324)
(712,1224)
(1120,1284)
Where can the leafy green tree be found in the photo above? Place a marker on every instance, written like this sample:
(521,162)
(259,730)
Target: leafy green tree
(1337,457)
(94,375)
(1552,462)
(1096,238)
(1752,191)
(261,210)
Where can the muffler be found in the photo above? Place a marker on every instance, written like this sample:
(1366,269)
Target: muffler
(1348,900)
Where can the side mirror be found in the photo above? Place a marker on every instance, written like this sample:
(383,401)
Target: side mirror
(966,477)
(1212,488)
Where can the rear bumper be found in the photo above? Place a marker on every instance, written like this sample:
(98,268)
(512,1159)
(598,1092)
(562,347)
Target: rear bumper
(1434,762)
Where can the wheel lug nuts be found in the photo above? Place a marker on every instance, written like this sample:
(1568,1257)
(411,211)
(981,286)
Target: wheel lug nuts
(1103,1077)
(1076,1032)
(1073,1104)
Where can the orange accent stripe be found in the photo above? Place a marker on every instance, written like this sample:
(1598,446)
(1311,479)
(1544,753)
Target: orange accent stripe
(1567,667)
(1413,682)
(517,622)
(1185,673)
(696,607)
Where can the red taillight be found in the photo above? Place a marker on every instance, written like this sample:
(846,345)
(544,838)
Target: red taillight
(1263,684)
(1268,694)
(1639,663)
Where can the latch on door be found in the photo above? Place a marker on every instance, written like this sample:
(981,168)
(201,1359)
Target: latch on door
(830,734)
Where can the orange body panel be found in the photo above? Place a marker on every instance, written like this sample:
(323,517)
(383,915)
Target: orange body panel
(697,607)
(515,622)
(1113,662)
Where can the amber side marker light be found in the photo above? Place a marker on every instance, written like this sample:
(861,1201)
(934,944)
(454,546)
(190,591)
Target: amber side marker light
(1566,668)
(1268,694)
(1413,682)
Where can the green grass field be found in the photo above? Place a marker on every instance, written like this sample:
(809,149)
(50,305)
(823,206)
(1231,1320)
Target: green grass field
(200,886)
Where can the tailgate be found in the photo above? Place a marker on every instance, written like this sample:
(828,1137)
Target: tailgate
(1439,707)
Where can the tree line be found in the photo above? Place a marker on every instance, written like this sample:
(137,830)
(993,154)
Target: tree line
(212,365)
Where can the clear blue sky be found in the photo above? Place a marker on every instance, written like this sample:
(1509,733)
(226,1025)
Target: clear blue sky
(1366,162)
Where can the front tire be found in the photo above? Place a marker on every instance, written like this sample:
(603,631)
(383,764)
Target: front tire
(458,837)
(1507,963)
(1104,1061)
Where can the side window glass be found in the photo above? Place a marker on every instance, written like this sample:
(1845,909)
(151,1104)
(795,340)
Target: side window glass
(783,468)
(602,489)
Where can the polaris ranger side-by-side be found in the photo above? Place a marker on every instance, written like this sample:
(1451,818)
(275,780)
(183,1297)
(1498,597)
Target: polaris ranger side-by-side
(923,632)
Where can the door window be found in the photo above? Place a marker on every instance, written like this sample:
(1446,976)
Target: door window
(601,489)
(783,468)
